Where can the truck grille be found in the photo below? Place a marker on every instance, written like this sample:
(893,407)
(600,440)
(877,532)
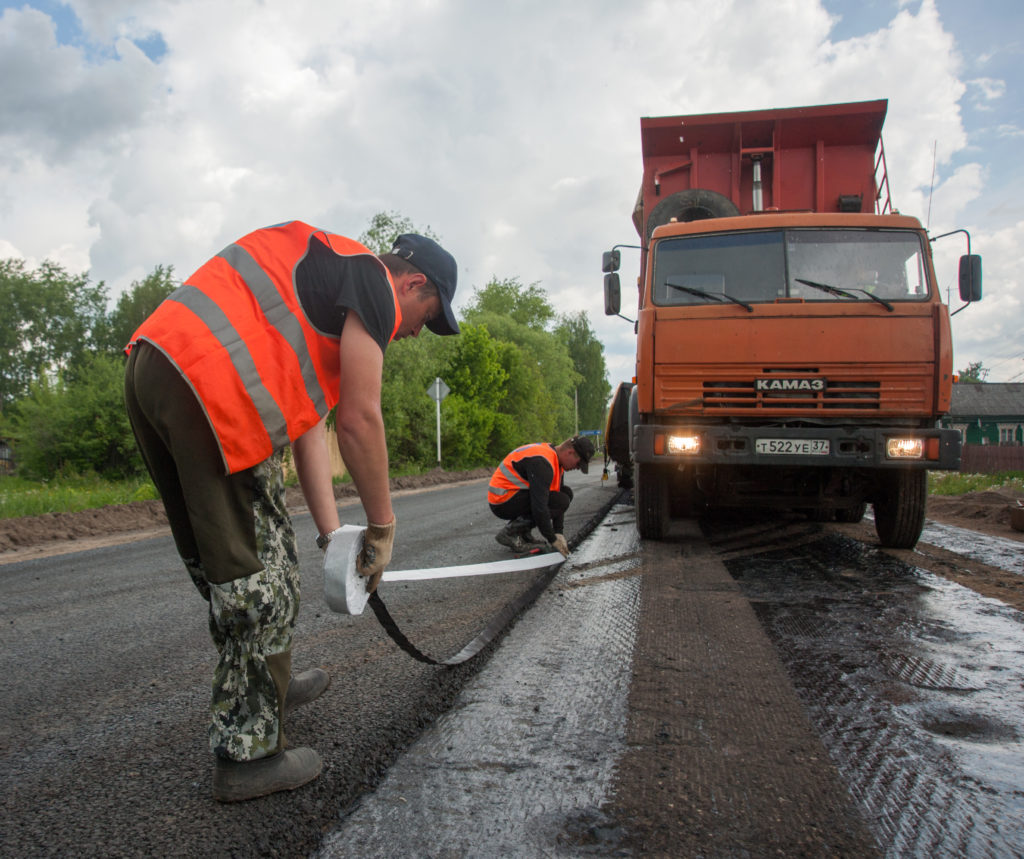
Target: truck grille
(875,389)
(864,395)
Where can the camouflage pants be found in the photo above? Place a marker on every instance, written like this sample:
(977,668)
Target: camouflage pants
(251,622)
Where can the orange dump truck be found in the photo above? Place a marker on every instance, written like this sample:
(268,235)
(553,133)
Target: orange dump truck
(793,349)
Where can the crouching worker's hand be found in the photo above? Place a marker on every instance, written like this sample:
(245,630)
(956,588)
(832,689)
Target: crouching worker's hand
(375,555)
(559,544)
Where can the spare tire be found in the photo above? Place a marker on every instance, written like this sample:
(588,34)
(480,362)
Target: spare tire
(694,204)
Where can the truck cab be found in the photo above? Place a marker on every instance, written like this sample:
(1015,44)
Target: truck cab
(793,349)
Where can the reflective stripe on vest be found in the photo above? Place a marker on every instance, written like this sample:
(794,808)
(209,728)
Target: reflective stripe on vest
(263,374)
(506,480)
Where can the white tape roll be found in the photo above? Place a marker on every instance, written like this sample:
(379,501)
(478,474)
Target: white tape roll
(344,588)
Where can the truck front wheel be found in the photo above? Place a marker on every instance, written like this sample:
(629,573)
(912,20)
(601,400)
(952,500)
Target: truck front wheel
(900,507)
(651,495)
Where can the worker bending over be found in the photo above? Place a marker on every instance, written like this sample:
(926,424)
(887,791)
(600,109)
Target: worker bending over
(247,358)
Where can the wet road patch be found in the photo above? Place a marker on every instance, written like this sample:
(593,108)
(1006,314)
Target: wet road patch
(916,685)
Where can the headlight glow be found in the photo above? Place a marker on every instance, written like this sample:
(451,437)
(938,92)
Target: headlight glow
(684,444)
(904,448)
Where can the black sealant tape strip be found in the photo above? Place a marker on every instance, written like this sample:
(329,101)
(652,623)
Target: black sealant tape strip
(485,636)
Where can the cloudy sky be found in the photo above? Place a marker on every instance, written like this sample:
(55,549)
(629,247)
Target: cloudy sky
(142,132)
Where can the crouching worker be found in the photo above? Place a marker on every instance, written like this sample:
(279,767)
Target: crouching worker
(528,489)
(247,357)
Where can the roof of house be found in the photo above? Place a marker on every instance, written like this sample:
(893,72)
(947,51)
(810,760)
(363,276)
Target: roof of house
(987,399)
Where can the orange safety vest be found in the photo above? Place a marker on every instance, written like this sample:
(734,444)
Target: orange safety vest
(507,480)
(263,374)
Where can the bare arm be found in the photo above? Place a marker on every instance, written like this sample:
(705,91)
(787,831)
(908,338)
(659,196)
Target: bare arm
(313,466)
(360,422)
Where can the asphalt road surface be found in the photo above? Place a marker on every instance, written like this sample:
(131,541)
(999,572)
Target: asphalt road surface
(750,686)
(106,665)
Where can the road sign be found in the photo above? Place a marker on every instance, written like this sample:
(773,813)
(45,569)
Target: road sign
(438,390)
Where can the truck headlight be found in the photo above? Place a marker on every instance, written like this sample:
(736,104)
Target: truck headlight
(904,448)
(684,444)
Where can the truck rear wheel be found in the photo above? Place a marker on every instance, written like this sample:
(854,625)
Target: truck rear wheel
(651,496)
(693,204)
(900,507)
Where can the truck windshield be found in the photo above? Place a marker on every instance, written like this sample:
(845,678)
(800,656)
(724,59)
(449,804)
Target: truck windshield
(834,265)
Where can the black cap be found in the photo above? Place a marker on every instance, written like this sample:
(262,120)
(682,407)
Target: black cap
(439,266)
(584,447)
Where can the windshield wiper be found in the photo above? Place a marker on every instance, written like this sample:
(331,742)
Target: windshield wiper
(835,290)
(715,296)
(874,297)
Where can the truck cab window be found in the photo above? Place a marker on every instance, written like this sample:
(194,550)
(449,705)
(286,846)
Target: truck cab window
(862,263)
(746,266)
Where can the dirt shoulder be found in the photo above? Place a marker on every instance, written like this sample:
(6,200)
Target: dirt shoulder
(985,512)
(58,533)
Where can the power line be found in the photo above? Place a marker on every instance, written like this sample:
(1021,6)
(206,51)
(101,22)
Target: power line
(1011,358)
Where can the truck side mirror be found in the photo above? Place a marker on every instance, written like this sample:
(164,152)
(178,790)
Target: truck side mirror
(612,294)
(970,277)
(610,261)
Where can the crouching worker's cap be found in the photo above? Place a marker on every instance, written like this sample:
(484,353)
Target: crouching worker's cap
(584,447)
(439,267)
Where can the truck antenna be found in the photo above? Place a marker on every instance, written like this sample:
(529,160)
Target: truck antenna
(931,189)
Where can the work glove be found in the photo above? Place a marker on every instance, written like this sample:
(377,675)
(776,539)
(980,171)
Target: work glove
(378,541)
(559,545)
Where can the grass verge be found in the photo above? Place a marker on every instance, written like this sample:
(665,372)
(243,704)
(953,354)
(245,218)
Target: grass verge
(19,497)
(955,483)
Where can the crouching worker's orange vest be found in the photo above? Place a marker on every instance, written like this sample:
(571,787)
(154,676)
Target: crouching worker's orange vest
(507,480)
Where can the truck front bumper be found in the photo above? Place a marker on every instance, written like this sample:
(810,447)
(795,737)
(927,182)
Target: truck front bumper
(823,447)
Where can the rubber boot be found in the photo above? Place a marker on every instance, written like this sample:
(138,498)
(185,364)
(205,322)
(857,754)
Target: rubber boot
(509,537)
(280,667)
(286,769)
(306,687)
(524,528)
(236,781)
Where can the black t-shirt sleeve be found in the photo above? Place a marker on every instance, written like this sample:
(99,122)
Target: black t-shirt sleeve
(536,470)
(330,285)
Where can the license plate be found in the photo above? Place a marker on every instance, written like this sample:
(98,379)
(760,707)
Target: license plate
(794,446)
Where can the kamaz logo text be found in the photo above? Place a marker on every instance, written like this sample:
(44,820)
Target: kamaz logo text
(789,385)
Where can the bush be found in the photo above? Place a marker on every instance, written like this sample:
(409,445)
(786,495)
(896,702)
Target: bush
(75,424)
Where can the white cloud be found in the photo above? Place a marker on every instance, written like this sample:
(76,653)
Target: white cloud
(1006,130)
(512,130)
(987,89)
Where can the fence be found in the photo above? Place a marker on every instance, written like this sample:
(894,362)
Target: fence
(989,458)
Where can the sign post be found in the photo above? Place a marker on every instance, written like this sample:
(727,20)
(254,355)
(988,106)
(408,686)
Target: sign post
(437,391)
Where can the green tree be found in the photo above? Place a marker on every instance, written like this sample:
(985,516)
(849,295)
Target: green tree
(474,429)
(587,355)
(75,426)
(385,227)
(527,305)
(48,321)
(133,306)
(975,372)
(410,366)
(538,397)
